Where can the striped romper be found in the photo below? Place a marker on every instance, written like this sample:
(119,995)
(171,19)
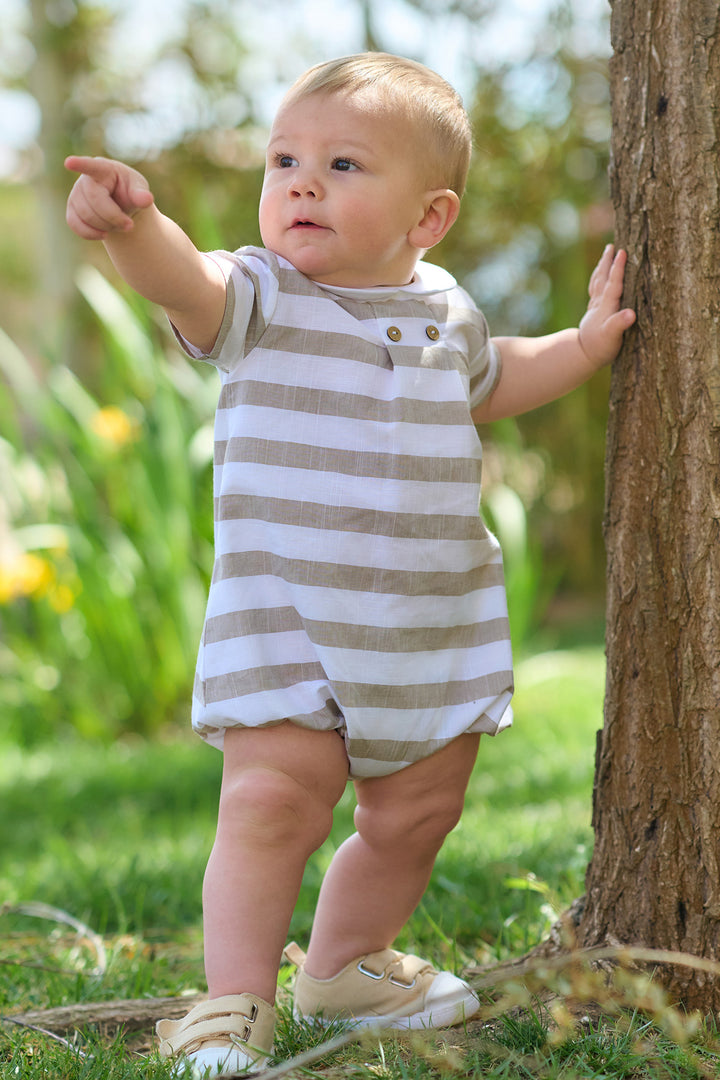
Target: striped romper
(355,586)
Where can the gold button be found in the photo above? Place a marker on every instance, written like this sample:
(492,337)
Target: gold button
(432,332)
(393,333)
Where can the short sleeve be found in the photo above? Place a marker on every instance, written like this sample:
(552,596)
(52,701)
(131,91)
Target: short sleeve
(484,363)
(485,373)
(252,287)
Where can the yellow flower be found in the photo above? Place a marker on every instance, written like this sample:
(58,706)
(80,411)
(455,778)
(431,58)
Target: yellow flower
(25,574)
(114,426)
(61,598)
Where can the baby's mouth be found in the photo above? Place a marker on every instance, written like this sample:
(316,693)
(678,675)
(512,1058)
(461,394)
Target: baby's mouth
(304,224)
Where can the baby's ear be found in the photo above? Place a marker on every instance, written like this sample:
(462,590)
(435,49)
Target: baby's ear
(441,210)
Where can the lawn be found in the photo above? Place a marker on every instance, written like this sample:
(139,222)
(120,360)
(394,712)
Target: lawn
(118,837)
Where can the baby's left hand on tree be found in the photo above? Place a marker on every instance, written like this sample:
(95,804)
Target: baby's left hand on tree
(604,323)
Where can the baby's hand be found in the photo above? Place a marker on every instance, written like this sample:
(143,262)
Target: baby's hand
(105,197)
(603,325)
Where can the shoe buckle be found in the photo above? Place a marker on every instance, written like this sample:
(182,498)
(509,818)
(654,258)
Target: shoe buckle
(370,974)
(247,1032)
(398,982)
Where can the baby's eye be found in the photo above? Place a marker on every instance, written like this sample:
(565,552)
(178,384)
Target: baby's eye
(285,161)
(344,164)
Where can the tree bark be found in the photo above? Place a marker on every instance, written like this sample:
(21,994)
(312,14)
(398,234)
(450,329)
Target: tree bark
(654,878)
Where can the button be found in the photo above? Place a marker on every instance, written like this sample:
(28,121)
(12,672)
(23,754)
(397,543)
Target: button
(432,332)
(394,333)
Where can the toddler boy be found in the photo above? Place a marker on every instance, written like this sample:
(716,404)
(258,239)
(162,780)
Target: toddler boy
(356,624)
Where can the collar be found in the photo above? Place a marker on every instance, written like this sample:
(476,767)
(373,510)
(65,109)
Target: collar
(428,280)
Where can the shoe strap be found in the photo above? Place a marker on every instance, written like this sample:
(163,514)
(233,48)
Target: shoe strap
(294,955)
(229,1020)
(400,968)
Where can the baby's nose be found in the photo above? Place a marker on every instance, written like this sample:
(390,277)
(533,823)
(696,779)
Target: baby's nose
(304,186)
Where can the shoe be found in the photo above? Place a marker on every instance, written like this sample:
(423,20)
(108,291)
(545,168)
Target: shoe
(225,1034)
(385,989)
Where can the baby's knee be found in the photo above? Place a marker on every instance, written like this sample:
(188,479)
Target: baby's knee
(418,825)
(275,808)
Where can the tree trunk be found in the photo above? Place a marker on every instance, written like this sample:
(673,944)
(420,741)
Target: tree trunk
(654,878)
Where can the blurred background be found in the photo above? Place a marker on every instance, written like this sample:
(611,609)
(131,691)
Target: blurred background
(106,430)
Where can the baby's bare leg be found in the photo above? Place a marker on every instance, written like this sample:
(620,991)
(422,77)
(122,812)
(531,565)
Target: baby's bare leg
(279,787)
(378,876)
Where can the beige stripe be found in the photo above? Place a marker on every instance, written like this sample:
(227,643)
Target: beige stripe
(350,519)
(424,696)
(304,342)
(370,579)
(198,691)
(335,345)
(237,684)
(351,636)
(329,717)
(389,750)
(407,639)
(255,621)
(321,402)
(348,462)
(293,283)
(421,695)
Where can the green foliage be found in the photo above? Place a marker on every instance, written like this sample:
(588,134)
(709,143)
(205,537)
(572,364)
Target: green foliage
(105,564)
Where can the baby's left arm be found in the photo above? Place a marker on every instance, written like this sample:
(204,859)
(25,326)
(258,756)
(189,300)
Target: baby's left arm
(538,370)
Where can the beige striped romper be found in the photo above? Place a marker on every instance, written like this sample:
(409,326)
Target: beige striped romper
(355,587)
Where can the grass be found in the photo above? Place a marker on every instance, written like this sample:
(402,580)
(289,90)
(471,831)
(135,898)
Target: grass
(119,835)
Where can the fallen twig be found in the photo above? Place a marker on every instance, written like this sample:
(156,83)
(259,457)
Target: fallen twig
(48,1034)
(132,1014)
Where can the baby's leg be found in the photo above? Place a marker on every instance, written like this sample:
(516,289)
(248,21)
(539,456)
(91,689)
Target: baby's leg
(379,874)
(279,787)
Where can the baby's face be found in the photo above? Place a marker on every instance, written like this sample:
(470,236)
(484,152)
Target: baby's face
(342,192)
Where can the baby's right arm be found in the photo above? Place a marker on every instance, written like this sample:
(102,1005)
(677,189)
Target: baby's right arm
(113,203)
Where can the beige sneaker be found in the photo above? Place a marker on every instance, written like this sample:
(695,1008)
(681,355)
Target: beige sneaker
(385,989)
(226,1034)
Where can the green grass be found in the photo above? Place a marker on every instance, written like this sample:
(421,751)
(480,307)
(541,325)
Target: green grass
(118,836)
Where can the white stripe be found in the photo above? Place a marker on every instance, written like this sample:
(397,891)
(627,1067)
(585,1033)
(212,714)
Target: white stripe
(363,492)
(336,375)
(257,651)
(264,707)
(354,665)
(398,669)
(358,549)
(346,433)
(358,608)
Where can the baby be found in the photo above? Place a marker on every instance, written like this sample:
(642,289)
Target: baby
(356,624)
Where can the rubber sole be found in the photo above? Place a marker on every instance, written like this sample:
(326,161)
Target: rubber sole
(442,1010)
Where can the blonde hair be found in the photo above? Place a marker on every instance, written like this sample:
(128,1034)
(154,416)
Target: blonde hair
(430,104)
